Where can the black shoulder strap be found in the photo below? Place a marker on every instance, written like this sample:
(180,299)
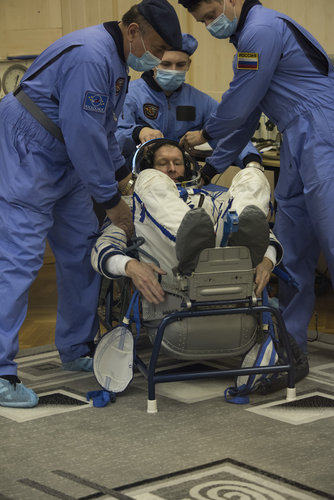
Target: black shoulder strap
(51,61)
(33,108)
(38,114)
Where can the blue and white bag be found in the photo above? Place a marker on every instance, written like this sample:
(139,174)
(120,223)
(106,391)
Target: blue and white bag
(262,354)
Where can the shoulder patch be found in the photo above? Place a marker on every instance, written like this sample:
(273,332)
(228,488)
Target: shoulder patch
(248,60)
(95,102)
(119,85)
(151,111)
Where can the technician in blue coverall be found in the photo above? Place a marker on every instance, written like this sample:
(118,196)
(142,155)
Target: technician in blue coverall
(281,70)
(160,104)
(53,162)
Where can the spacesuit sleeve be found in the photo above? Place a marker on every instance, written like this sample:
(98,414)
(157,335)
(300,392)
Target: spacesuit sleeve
(89,135)
(111,243)
(275,244)
(238,113)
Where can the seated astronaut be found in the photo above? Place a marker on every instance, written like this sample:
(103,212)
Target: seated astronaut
(165,191)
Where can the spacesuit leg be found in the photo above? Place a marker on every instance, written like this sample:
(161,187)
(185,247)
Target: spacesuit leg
(250,191)
(71,239)
(250,187)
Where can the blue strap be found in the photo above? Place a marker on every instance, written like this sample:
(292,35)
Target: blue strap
(136,316)
(285,276)
(101,398)
(230,225)
(238,400)
(183,193)
(134,305)
(266,315)
(128,312)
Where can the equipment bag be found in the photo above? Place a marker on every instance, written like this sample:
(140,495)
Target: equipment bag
(262,354)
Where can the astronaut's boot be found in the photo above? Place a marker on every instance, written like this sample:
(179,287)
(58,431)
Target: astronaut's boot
(14,394)
(253,232)
(195,233)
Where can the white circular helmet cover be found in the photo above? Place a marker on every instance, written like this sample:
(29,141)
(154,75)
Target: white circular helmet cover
(113,359)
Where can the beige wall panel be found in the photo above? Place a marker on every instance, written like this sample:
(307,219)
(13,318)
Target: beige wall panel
(31,14)
(79,14)
(30,42)
(2,31)
(28,26)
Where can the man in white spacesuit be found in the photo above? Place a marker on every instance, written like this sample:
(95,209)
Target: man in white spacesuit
(159,206)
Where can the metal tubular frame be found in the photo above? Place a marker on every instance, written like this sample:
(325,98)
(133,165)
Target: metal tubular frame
(149,371)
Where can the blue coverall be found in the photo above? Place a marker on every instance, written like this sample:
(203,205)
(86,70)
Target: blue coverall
(187,108)
(281,70)
(46,186)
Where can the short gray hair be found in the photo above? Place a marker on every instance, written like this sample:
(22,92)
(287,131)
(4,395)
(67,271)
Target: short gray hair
(133,16)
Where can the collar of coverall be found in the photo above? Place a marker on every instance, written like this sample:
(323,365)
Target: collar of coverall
(114,30)
(148,77)
(244,11)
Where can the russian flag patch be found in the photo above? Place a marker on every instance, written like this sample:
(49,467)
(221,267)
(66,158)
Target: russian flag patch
(248,60)
(95,102)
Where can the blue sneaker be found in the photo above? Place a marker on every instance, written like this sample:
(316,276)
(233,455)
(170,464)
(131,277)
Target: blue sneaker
(15,395)
(84,364)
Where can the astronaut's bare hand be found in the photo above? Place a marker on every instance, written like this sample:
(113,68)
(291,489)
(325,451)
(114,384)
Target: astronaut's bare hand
(121,216)
(262,275)
(147,134)
(144,279)
(192,139)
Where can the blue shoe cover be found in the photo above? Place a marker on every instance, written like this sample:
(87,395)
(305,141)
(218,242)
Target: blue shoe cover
(79,365)
(16,395)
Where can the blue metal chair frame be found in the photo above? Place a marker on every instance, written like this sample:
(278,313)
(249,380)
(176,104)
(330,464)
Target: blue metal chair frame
(244,306)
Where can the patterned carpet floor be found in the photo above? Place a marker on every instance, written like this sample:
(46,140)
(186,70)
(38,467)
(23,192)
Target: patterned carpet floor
(196,447)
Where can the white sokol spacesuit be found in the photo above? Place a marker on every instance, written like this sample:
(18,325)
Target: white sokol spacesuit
(159,207)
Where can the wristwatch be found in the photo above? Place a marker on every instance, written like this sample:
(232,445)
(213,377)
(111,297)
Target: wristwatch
(128,186)
(255,164)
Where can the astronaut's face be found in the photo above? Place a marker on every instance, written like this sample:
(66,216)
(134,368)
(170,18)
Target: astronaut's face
(169,160)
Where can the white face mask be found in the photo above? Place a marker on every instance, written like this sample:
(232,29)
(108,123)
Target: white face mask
(144,63)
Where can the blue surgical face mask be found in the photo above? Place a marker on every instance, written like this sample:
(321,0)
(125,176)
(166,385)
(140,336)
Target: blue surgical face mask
(222,27)
(144,63)
(170,79)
